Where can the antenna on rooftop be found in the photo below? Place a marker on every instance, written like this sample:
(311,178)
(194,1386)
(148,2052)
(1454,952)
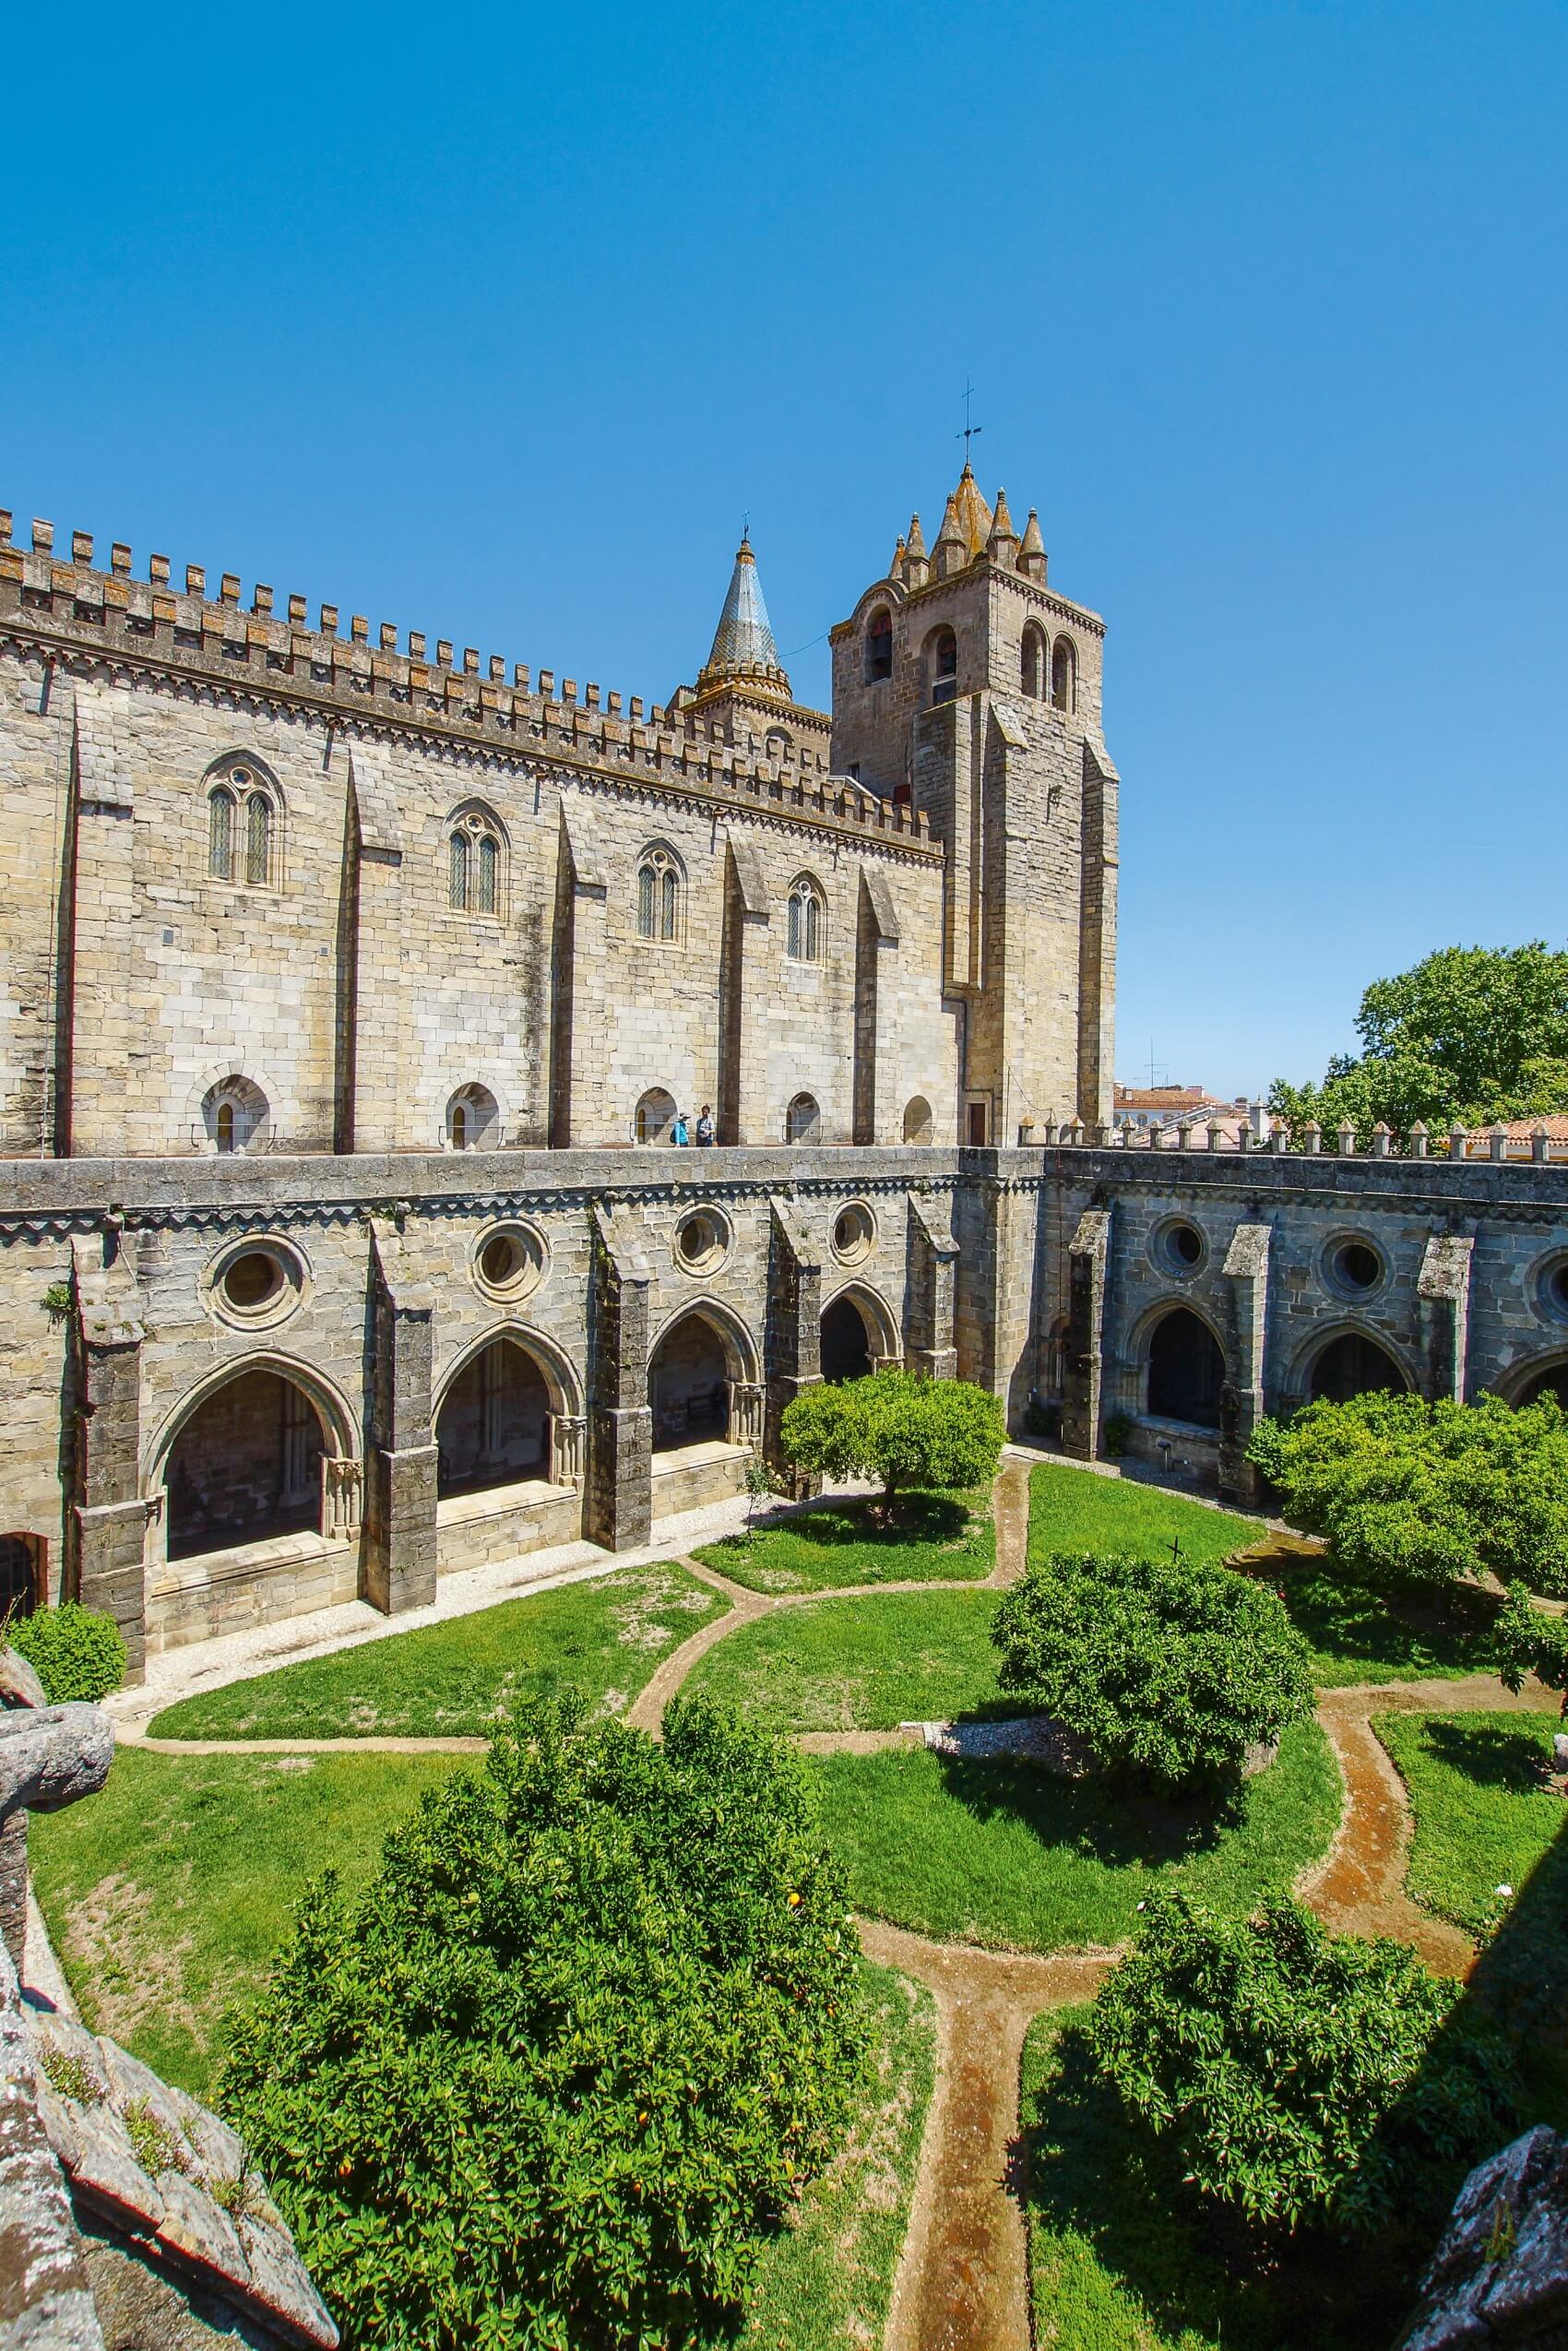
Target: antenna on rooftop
(970,429)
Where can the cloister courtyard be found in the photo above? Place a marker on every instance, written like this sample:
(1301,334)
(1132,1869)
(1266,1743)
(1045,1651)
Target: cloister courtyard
(987,2171)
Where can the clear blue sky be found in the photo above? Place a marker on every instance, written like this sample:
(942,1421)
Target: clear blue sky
(493,322)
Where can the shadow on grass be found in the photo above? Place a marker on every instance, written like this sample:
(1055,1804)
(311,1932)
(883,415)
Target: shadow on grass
(1408,1629)
(916,1518)
(1121,2245)
(1117,1825)
(1489,1756)
(1520,1979)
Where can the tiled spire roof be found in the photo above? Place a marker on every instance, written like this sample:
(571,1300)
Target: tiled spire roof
(743,639)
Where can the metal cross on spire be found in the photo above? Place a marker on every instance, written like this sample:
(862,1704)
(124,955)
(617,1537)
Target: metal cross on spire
(970,429)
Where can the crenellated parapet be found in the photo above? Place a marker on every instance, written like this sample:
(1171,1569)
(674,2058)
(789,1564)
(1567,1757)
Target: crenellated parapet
(74,610)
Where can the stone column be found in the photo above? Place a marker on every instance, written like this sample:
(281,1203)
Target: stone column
(930,1342)
(397,1553)
(1087,1267)
(1240,1399)
(792,1333)
(1442,1293)
(618,1499)
(742,1067)
(107,1526)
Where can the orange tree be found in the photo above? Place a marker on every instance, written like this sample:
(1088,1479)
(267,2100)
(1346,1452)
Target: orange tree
(900,1428)
(555,2076)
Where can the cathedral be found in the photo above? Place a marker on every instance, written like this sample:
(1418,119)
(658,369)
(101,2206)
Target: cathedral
(353,992)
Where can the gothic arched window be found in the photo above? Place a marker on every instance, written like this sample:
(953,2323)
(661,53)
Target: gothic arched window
(242,828)
(221,833)
(1063,675)
(659,895)
(942,663)
(473,864)
(808,920)
(879,646)
(1032,663)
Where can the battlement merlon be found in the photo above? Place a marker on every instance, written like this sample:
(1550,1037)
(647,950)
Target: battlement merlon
(66,609)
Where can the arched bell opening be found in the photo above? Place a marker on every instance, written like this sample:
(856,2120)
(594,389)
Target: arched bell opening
(246,1465)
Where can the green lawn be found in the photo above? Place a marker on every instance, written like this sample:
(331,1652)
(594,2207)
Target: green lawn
(1485,1817)
(827,2283)
(606,1636)
(860,1664)
(167,1894)
(1121,2261)
(1361,1635)
(935,1537)
(1011,1855)
(1354,1635)
(1077,1509)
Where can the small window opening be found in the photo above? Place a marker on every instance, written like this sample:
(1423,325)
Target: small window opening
(943,667)
(879,647)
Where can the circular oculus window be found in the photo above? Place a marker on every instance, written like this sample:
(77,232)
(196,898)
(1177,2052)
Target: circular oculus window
(1180,1247)
(1352,1266)
(702,1242)
(255,1283)
(1551,1289)
(509,1262)
(854,1233)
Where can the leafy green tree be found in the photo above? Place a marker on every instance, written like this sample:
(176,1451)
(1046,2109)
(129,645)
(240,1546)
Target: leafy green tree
(1527,1639)
(899,1426)
(550,2081)
(76,1653)
(1301,2077)
(1407,1490)
(1468,1034)
(1169,1669)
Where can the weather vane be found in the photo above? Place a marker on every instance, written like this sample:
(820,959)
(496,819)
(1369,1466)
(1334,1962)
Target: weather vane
(970,430)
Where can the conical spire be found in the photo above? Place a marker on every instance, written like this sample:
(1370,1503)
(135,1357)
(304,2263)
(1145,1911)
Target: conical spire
(916,540)
(743,639)
(895,568)
(1003,544)
(1031,552)
(952,531)
(974,515)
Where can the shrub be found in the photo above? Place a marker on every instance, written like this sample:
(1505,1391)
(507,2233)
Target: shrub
(1299,2076)
(1407,1489)
(554,2077)
(899,1426)
(77,1653)
(1117,1435)
(1525,1640)
(1170,1670)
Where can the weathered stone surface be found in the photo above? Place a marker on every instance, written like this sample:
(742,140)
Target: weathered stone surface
(52,1755)
(19,1684)
(1499,2275)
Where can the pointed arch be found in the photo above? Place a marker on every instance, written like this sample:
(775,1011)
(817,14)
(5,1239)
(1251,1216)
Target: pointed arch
(661,893)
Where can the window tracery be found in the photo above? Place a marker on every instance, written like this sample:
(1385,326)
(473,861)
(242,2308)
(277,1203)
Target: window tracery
(659,895)
(807,921)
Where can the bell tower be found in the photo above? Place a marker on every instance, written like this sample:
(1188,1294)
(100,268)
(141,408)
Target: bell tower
(964,683)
